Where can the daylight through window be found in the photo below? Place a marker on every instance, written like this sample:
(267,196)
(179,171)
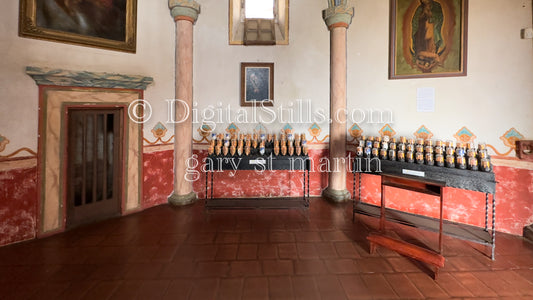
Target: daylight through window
(259,9)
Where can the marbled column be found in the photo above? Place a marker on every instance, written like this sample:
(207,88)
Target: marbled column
(337,18)
(185,13)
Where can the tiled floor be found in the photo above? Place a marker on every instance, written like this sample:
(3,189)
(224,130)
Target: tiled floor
(189,253)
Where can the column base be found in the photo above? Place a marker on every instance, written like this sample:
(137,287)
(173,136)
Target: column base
(182,200)
(336,196)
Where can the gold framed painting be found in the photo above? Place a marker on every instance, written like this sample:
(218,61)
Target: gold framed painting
(428,38)
(108,24)
(257,84)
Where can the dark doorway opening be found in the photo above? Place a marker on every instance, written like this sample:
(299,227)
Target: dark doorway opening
(94,164)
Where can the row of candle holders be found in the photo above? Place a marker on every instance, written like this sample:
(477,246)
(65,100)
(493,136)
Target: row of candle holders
(434,153)
(258,144)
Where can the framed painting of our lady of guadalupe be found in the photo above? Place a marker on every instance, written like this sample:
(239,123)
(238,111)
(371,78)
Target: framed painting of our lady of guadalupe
(109,24)
(428,38)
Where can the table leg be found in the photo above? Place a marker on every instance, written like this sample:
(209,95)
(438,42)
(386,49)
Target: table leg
(353,198)
(308,186)
(487,212)
(493,225)
(212,185)
(382,215)
(441,222)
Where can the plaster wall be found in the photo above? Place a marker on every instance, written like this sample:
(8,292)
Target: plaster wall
(154,58)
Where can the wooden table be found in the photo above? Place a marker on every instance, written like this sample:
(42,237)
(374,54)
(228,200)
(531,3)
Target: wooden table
(430,180)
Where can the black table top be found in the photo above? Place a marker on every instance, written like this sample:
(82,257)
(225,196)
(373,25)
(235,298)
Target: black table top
(451,177)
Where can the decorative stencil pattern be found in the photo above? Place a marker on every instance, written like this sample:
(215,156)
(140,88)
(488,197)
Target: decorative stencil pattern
(205,130)
(3,142)
(315,130)
(260,128)
(387,130)
(465,135)
(356,131)
(159,130)
(288,128)
(232,129)
(423,133)
(510,138)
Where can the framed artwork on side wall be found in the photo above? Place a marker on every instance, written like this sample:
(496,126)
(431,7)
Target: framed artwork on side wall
(257,84)
(428,38)
(108,24)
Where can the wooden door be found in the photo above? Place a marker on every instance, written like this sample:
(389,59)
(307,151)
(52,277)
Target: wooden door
(94,164)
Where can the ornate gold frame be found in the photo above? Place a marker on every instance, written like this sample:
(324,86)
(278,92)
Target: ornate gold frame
(400,66)
(28,28)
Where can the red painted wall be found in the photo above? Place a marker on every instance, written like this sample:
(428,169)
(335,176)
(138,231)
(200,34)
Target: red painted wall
(18,205)
(514,193)
(158,177)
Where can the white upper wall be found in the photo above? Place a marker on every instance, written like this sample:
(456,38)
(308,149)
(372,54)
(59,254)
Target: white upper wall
(19,113)
(496,95)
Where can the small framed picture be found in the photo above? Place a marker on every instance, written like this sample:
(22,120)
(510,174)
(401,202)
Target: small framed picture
(257,84)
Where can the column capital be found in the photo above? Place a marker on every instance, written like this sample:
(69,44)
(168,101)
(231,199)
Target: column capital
(184,10)
(338,16)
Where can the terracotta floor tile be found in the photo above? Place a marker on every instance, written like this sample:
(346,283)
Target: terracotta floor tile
(402,286)
(330,287)
(179,289)
(76,290)
(227,238)
(308,237)
(307,251)
(267,251)
(427,286)
(334,236)
(278,267)
(474,285)
(153,289)
(466,263)
(452,286)
(212,269)
(102,290)
(227,252)
(326,250)
(309,267)
(374,265)
(354,287)
(346,250)
(281,237)
(287,251)
(504,283)
(193,253)
(378,286)
(143,271)
(204,289)
(255,288)
(245,268)
(247,251)
(304,288)
(254,237)
(201,238)
(128,289)
(230,288)
(280,288)
(341,266)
